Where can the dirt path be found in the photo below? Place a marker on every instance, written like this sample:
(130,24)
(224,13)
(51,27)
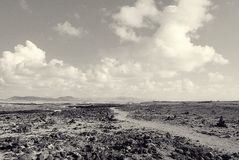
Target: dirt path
(224,145)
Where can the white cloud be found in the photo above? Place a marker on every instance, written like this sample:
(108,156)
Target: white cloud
(151,67)
(66,28)
(219,59)
(137,16)
(170,49)
(26,71)
(125,33)
(215,77)
(111,70)
(27,65)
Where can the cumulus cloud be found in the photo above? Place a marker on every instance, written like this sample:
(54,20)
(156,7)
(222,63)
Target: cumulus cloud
(137,16)
(112,74)
(173,41)
(125,33)
(27,65)
(67,28)
(27,70)
(170,49)
(152,66)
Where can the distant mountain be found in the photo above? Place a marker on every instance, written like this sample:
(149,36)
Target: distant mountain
(33,98)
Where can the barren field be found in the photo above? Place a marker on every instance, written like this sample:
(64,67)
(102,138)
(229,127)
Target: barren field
(202,117)
(182,131)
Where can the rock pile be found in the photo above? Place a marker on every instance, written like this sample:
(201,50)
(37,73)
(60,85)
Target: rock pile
(221,123)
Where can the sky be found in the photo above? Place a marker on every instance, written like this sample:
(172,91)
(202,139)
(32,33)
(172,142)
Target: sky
(148,49)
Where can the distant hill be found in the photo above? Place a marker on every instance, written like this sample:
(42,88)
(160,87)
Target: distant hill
(33,98)
(73,99)
(67,98)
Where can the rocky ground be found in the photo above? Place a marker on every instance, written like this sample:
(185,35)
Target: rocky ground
(65,131)
(203,117)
